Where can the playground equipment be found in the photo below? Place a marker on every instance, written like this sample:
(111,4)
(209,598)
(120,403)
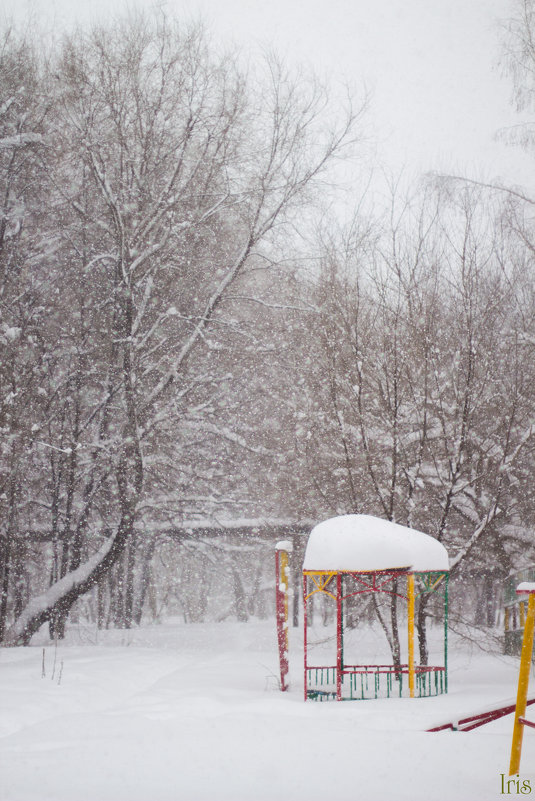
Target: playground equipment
(523,589)
(479,718)
(355,555)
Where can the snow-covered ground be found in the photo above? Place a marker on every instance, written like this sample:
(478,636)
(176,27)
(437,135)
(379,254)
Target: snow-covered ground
(183,712)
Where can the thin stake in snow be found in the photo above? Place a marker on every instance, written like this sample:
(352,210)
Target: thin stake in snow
(55,658)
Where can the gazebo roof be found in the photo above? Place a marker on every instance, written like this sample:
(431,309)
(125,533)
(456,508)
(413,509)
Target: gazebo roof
(362,544)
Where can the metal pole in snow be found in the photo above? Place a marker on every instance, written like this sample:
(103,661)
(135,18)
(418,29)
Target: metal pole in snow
(523,678)
(410,616)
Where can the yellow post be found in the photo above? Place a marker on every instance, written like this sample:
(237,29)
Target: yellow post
(523,681)
(410,615)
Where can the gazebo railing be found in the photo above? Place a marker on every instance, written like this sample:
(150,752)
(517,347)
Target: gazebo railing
(362,682)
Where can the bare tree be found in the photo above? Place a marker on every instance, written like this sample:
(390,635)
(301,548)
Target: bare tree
(420,410)
(23,116)
(169,179)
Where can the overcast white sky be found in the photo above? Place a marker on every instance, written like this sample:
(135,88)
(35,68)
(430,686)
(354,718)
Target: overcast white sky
(438,97)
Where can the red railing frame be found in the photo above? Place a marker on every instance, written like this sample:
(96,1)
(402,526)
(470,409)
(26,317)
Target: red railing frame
(474,721)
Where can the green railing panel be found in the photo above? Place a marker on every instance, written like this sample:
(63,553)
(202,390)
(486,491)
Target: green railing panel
(376,682)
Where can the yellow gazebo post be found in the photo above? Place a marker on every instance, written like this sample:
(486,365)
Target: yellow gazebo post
(410,619)
(525,588)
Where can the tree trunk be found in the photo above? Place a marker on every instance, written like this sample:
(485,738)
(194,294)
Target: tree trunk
(5,564)
(144,582)
(129,577)
(62,595)
(101,604)
(240,601)
(421,627)
(396,647)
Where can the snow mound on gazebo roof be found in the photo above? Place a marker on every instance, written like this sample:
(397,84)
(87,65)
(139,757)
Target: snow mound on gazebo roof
(365,543)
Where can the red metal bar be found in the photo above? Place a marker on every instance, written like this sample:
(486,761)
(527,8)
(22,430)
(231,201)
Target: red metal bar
(347,669)
(338,637)
(486,719)
(444,727)
(480,719)
(386,577)
(392,668)
(376,589)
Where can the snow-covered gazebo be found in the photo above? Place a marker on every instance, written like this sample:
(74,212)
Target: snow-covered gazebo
(354,555)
